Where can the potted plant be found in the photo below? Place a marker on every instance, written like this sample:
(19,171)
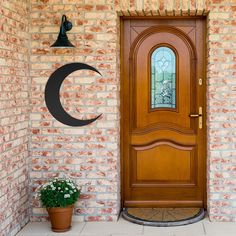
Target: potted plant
(58,196)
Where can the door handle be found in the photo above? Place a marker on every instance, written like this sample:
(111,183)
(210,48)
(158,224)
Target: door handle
(199,116)
(195,115)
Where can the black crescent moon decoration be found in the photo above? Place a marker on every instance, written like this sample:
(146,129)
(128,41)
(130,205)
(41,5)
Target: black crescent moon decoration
(52,94)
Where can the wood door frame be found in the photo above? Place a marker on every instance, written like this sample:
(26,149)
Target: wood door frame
(122,78)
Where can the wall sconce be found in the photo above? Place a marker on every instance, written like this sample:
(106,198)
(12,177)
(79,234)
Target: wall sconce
(62,39)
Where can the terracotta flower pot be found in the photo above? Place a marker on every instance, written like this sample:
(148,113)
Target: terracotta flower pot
(60,218)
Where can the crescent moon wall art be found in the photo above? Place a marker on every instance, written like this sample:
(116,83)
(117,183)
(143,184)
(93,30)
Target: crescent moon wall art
(52,94)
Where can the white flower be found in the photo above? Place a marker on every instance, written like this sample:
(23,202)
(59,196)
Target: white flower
(45,185)
(66,189)
(59,188)
(67,196)
(71,192)
(74,190)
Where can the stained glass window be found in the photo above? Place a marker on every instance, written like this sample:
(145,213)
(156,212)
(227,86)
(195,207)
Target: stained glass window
(163,78)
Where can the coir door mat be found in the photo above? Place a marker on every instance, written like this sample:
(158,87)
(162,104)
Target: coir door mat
(163,216)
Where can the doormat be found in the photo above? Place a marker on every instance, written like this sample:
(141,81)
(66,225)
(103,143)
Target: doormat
(164,217)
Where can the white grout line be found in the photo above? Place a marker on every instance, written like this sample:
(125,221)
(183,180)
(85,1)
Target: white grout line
(203,225)
(82,228)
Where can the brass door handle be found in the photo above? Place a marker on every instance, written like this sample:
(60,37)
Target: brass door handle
(195,115)
(199,115)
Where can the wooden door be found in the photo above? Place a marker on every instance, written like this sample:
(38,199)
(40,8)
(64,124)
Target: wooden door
(163,113)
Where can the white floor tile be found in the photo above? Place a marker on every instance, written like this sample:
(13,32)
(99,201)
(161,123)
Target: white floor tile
(31,234)
(125,228)
(156,234)
(221,234)
(35,229)
(44,229)
(120,227)
(188,234)
(96,235)
(193,229)
(220,228)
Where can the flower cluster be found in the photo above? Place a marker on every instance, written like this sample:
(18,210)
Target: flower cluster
(59,193)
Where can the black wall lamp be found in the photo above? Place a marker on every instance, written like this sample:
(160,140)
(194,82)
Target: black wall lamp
(62,39)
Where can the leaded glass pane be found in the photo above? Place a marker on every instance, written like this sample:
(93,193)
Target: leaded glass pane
(163,78)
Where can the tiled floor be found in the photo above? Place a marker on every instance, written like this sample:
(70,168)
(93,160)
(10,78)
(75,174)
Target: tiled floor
(124,228)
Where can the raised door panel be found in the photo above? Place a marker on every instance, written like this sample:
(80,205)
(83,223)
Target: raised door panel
(153,166)
(143,114)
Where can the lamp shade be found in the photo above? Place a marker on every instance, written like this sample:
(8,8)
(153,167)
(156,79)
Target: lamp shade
(62,39)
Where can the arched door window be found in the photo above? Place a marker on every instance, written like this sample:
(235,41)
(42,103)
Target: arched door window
(163,78)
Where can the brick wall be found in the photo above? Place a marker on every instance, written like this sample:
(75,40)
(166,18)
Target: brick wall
(221,92)
(14,115)
(89,154)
